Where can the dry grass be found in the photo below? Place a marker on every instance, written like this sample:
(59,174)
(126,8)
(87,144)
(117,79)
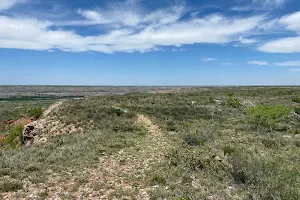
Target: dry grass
(218,143)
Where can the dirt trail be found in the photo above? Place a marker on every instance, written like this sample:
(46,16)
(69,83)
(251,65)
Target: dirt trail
(126,171)
(51,108)
(152,128)
(118,176)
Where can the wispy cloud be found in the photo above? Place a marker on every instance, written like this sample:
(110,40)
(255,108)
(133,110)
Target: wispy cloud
(178,49)
(130,31)
(226,63)
(243,40)
(7,4)
(289,63)
(128,13)
(126,27)
(288,22)
(257,62)
(296,70)
(208,59)
(260,5)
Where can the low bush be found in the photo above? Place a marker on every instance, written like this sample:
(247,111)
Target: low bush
(268,116)
(228,150)
(158,180)
(10,186)
(297,143)
(270,143)
(265,178)
(296,99)
(297,110)
(43,194)
(187,158)
(14,138)
(194,139)
(36,112)
(234,102)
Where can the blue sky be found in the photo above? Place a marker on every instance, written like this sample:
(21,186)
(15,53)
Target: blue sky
(143,42)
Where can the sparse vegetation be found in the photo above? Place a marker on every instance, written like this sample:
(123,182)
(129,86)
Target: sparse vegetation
(217,148)
(264,176)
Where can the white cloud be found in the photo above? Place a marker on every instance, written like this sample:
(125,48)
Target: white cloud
(283,45)
(226,64)
(243,40)
(256,62)
(291,21)
(96,17)
(27,33)
(270,3)
(208,59)
(178,49)
(260,5)
(93,16)
(7,4)
(127,14)
(294,70)
(289,63)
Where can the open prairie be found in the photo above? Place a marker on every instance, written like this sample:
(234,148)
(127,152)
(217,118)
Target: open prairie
(150,100)
(77,91)
(182,143)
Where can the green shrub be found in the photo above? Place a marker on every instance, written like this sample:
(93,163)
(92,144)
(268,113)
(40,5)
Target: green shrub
(228,150)
(296,131)
(10,186)
(186,180)
(230,94)
(194,139)
(297,143)
(266,178)
(171,126)
(158,180)
(268,116)
(36,112)
(32,168)
(270,143)
(211,99)
(15,137)
(187,158)
(118,112)
(297,110)
(43,194)
(234,102)
(4,172)
(296,99)
(186,124)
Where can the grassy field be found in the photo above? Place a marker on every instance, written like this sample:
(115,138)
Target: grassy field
(197,143)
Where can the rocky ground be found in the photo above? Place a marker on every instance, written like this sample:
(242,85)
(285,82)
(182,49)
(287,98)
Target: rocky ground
(47,126)
(118,176)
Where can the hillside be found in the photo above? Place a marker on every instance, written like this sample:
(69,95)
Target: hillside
(212,143)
